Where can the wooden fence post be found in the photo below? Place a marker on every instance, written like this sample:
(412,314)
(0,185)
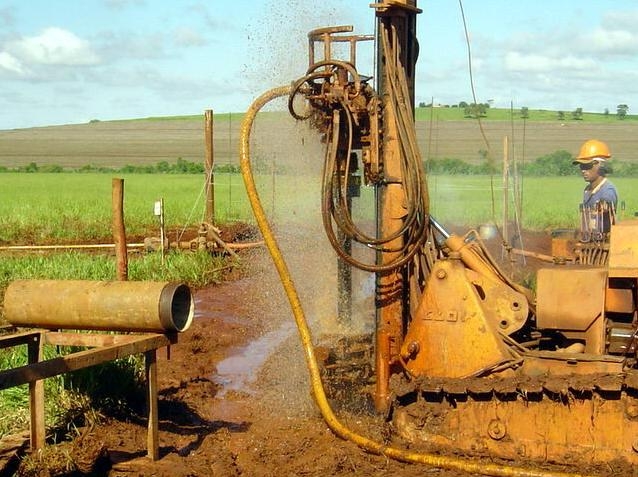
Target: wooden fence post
(210,183)
(119,233)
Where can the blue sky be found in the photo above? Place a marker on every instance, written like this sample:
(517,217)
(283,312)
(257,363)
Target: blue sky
(70,61)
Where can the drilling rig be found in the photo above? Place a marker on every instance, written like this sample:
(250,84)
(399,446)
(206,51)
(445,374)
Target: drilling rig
(465,358)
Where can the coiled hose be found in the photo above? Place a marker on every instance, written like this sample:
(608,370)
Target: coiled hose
(304,331)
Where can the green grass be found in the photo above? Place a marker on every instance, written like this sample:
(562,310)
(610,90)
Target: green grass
(504,114)
(67,207)
(423,114)
(547,202)
(72,208)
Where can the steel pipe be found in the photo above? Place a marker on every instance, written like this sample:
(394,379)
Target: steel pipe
(99,305)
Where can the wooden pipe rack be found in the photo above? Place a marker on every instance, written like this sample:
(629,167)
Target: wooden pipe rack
(100,349)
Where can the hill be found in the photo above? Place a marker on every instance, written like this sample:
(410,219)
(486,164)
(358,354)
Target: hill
(151,140)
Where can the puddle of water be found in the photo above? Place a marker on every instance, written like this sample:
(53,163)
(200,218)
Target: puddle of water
(238,371)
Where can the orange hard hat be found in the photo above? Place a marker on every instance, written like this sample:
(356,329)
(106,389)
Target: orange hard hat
(592,150)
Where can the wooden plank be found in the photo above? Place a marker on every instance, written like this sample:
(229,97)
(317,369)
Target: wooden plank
(19,338)
(152,441)
(91,340)
(82,359)
(36,397)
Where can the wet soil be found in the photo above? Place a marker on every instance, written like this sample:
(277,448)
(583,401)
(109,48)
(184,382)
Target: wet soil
(234,396)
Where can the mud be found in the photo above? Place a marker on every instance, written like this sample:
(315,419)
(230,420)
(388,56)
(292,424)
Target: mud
(234,395)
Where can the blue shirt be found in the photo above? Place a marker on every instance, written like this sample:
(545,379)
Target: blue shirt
(605,191)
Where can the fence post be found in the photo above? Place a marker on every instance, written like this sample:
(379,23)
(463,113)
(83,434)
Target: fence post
(210,188)
(119,233)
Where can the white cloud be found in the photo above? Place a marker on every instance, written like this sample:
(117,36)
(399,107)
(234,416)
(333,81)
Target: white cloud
(620,19)
(516,62)
(615,42)
(54,47)
(10,63)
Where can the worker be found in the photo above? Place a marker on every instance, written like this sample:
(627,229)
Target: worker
(600,198)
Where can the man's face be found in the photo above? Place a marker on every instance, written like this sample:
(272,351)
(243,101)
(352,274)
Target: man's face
(590,171)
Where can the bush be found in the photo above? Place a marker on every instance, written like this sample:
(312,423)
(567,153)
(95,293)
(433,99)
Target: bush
(558,163)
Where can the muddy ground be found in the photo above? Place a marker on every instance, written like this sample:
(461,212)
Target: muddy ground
(234,397)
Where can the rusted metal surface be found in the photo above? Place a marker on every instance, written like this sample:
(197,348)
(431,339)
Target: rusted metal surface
(592,418)
(452,334)
(97,305)
(568,394)
(571,299)
(623,258)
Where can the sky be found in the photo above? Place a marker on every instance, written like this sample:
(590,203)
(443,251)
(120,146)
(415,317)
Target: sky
(73,61)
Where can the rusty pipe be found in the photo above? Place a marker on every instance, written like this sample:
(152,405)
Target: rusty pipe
(99,305)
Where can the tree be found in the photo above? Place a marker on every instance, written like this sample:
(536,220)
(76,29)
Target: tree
(525,112)
(475,110)
(558,163)
(560,115)
(577,114)
(621,111)
(31,167)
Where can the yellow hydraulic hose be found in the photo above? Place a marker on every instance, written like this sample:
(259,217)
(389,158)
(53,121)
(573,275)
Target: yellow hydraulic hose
(304,331)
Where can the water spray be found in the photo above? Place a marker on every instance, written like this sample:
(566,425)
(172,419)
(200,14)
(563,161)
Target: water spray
(318,390)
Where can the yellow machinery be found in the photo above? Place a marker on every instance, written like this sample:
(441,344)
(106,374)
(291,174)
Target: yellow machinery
(465,358)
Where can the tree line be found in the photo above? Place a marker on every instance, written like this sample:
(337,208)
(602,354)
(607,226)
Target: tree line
(480,110)
(181,166)
(558,163)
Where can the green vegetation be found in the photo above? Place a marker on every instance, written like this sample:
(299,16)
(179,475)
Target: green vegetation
(75,208)
(180,166)
(456,113)
(558,163)
(71,208)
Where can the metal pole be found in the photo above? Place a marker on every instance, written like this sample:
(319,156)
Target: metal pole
(398,21)
(119,233)
(230,174)
(162,229)
(505,189)
(210,187)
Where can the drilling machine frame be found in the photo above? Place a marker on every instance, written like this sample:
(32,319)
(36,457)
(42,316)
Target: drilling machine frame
(465,358)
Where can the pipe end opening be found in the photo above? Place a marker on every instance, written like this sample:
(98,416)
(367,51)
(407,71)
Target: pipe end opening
(176,307)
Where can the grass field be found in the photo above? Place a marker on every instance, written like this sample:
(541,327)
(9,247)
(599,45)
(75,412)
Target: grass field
(504,114)
(71,208)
